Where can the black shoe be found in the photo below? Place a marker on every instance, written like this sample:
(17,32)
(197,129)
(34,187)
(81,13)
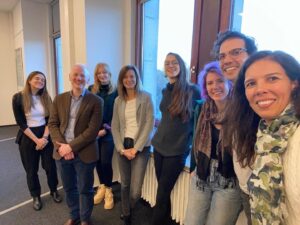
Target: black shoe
(37,203)
(56,197)
(127,220)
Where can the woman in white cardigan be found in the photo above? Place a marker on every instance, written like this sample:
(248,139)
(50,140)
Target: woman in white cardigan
(266,100)
(132,125)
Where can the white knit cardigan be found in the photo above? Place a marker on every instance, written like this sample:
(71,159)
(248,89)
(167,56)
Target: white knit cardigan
(291,166)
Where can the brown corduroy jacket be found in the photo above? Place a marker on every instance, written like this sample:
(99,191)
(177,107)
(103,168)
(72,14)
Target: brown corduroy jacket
(87,125)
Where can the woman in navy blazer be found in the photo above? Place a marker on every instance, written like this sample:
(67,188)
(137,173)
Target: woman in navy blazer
(132,125)
(31,109)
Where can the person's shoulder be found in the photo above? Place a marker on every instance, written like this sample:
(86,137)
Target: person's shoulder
(92,96)
(62,96)
(195,90)
(17,95)
(145,94)
(90,87)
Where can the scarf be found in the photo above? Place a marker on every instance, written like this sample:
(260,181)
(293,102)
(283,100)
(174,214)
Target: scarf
(202,141)
(267,197)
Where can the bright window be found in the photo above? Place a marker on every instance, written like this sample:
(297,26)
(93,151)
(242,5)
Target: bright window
(166,28)
(273,23)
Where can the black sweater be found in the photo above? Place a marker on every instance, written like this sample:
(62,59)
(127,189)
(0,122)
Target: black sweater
(109,99)
(174,137)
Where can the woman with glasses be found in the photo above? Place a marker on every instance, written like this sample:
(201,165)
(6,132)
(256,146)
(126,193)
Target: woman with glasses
(214,195)
(265,128)
(132,125)
(174,133)
(31,109)
(103,88)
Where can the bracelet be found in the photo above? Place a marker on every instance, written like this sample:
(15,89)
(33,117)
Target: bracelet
(46,137)
(122,151)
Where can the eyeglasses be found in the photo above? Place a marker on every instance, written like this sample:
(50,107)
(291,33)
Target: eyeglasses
(171,63)
(233,53)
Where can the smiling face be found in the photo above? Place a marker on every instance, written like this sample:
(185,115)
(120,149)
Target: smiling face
(129,80)
(37,82)
(103,75)
(172,68)
(232,55)
(78,78)
(216,86)
(268,88)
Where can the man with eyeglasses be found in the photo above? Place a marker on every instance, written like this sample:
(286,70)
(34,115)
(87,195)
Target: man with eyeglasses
(231,49)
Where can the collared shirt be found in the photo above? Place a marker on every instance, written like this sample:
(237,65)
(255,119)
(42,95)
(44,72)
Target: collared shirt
(74,107)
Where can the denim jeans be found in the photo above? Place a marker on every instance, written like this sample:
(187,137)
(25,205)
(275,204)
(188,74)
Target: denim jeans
(132,174)
(212,205)
(78,179)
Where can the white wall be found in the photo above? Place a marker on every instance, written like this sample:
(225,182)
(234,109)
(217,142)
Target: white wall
(8,76)
(37,40)
(108,34)
(91,30)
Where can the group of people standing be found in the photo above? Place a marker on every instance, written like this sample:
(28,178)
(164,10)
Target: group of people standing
(243,132)
(246,138)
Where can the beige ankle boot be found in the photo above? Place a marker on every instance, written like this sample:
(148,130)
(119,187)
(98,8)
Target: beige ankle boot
(99,196)
(108,199)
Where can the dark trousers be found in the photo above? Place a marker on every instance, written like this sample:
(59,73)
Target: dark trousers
(31,158)
(167,171)
(78,180)
(104,164)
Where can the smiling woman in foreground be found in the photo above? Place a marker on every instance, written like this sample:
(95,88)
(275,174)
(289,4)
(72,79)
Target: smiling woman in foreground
(267,100)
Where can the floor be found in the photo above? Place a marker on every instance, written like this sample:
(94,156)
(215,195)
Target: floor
(16,203)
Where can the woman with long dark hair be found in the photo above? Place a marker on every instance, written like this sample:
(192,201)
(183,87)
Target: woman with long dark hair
(173,138)
(265,128)
(31,109)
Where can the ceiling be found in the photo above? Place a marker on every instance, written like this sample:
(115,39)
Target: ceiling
(8,5)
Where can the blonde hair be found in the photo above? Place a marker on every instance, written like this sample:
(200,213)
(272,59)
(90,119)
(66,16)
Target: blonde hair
(43,93)
(121,89)
(97,84)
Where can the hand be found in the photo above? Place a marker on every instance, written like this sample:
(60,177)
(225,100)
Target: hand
(69,156)
(41,143)
(127,153)
(193,173)
(133,151)
(63,149)
(102,133)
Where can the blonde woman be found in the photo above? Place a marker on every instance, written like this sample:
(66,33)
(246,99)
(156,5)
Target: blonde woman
(31,110)
(103,88)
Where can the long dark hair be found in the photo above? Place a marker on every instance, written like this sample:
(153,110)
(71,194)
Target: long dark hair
(242,121)
(181,104)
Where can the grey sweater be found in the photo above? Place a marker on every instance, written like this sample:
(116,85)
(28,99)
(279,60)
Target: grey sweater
(174,137)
